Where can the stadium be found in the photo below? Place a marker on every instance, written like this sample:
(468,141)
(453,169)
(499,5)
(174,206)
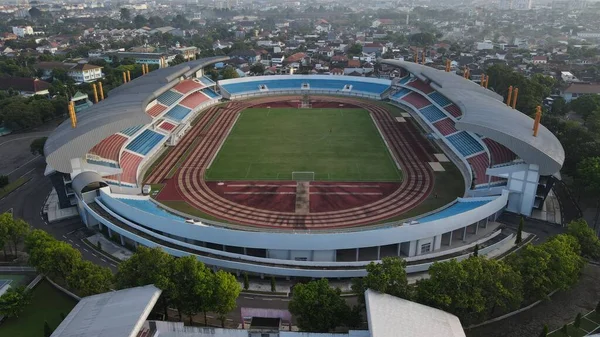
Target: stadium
(303,175)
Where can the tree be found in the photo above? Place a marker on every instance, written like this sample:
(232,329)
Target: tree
(565,263)
(387,277)
(544,331)
(229,72)
(520,231)
(577,322)
(191,286)
(17,231)
(225,293)
(147,266)
(125,14)
(35,13)
(559,107)
(590,245)
(317,306)
(140,21)
(61,262)
(273,287)
(354,49)
(564,330)
(14,301)
(88,279)
(3,181)
(473,289)
(178,59)
(257,68)
(598,307)
(588,176)
(421,39)
(37,146)
(476,250)
(47,330)
(585,105)
(246,282)
(533,263)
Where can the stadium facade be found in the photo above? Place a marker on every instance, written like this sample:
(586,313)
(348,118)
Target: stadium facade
(99,166)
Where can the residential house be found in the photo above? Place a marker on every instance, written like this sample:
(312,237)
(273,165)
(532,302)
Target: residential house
(382,23)
(575,90)
(22,31)
(277,59)
(376,48)
(160,59)
(250,55)
(540,59)
(325,51)
(25,86)
(79,72)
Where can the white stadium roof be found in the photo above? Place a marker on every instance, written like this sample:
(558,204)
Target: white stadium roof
(485,114)
(119,313)
(391,316)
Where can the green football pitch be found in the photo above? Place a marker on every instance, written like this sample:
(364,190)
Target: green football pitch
(335,144)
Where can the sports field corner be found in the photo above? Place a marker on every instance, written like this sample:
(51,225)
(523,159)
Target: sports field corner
(335,144)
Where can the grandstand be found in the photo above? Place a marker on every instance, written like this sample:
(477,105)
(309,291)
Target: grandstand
(300,83)
(169,98)
(178,112)
(323,228)
(145,142)
(465,144)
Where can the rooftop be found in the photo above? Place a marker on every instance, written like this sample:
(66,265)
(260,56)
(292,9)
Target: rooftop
(390,316)
(583,88)
(119,313)
(23,84)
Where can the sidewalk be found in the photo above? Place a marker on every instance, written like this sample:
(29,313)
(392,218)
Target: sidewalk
(119,252)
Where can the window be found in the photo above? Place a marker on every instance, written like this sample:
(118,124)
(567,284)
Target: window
(425,248)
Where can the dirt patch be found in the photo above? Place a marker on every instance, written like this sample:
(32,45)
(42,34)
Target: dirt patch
(561,309)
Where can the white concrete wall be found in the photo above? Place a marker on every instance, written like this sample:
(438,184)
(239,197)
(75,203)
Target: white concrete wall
(304,240)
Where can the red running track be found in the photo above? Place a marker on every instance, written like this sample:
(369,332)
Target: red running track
(406,143)
(333,196)
(268,195)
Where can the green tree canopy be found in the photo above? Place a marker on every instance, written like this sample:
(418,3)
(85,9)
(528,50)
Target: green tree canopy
(585,105)
(229,72)
(125,14)
(565,264)
(588,178)
(533,263)
(387,277)
(14,300)
(473,289)
(88,279)
(37,146)
(147,266)
(225,293)
(191,286)
(317,306)
(585,235)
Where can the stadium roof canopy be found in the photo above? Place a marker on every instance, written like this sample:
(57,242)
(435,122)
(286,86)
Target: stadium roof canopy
(484,113)
(124,107)
(390,316)
(118,313)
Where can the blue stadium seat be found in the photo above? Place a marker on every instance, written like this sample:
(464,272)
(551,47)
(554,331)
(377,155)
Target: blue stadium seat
(132,130)
(150,207)
(457,208)
(178,113)
(211,93)
(440,99)
(169,97)
(145,142)
(465,144)
(207,81)
(296,82)
(432,113)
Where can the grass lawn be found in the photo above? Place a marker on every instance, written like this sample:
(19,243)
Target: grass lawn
(448,186)
(13,186)
(46,305)
(336,144)
(17,280)
(186,208)
(589,324)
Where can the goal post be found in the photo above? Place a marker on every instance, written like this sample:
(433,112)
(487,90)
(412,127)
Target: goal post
(303,175)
